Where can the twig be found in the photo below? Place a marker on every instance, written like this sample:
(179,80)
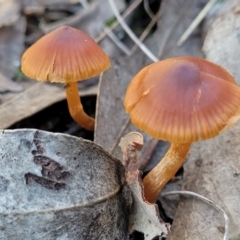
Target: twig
(130,32)
(115,39)
(195,22)
(211,203)
(147,9)
(125,14)
(147,30)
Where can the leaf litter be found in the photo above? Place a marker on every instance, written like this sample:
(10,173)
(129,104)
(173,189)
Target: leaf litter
(164,42)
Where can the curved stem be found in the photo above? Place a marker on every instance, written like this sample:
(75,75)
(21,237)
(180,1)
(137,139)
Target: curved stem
(75,107)
(157,178)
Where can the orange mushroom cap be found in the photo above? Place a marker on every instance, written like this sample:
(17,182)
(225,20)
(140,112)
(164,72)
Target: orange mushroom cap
(182,99)
(64,55)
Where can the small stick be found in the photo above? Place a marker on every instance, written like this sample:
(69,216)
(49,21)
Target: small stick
(148,9)
(125,14)
(115,39)
(147,30)
(130,32)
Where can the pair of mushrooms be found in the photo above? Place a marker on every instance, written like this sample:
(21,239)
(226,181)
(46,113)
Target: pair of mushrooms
(182,100)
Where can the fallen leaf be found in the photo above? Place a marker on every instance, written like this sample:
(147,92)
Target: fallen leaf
(220,8)
(59,185)
(9,12)
(38,6)
(144,216)
(176,16)
(225,53)
(11,47)
(6,84)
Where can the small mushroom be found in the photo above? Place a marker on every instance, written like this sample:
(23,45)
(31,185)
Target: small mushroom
(181,100)
(66,55)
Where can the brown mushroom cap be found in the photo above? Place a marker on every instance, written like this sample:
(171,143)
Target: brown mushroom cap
(64,55)
(182,99)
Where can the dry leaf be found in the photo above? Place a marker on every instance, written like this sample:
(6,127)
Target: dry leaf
(55,186)
(11,47)
(176,16)
(9,12)
(144,216)
(38,6)
(6,84)
(220,8)
(222,43)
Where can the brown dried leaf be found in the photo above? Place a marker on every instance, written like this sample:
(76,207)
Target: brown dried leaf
(144,217)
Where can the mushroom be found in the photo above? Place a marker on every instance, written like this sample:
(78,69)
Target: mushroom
(66,55)
(181,100)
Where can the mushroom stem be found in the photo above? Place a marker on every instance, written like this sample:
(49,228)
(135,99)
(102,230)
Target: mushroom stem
(157,178)
(75,107)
